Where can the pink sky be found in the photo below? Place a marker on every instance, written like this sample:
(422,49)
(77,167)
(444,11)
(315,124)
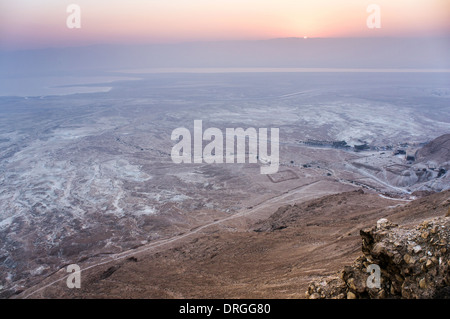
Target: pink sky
(30,23)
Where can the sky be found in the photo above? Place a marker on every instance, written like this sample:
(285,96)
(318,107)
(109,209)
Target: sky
(29,24)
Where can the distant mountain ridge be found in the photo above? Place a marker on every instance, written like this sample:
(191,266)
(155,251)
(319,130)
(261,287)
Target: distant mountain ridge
(281,52)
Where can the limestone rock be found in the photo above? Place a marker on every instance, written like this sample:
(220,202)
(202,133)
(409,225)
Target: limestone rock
(413,262)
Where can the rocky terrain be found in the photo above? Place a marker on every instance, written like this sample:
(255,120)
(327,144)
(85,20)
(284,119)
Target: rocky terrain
(437,151)
(414,263)
(88,178)
(410,168)
(281,256)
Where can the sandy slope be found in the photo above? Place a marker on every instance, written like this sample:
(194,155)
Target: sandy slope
(275,258)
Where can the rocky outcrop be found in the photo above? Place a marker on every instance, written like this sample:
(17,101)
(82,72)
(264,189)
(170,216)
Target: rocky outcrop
(413,263)
(437,150)
(426,170)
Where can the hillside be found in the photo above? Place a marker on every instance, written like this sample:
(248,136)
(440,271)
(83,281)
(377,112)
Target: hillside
(438,150)
(277,258)
(413,263)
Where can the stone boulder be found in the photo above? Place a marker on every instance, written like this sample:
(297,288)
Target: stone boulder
(413,262)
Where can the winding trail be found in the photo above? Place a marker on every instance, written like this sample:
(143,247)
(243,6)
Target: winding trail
(115,257)
(267,203)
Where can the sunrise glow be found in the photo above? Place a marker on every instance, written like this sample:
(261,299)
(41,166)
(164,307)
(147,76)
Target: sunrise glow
(28,23)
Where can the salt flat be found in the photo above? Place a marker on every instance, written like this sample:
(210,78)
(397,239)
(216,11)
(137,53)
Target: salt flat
(87,175)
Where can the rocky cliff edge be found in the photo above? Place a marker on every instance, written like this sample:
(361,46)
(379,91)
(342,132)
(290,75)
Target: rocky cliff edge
(412,262)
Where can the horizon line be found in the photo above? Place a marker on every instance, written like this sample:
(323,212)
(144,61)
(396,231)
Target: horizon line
(300,38)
